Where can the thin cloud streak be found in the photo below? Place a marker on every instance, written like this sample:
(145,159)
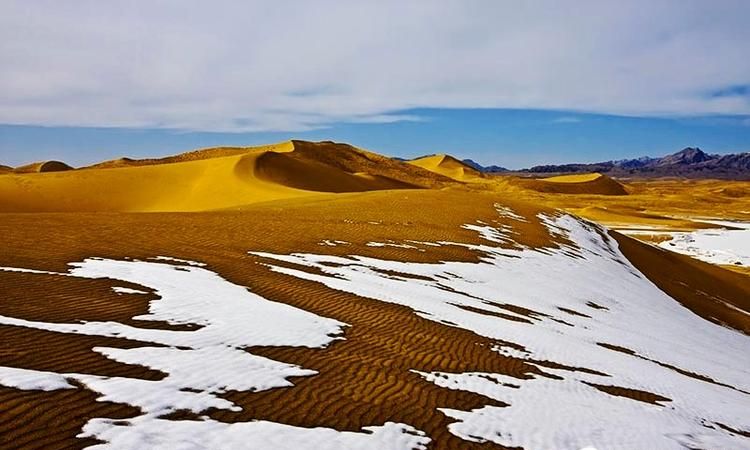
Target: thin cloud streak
(566,119)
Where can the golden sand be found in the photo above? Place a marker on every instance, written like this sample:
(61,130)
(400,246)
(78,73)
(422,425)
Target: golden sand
(362,380)
(211,179)
(285,199)
(43,166)
(448,166)
(586,184)
(577,178)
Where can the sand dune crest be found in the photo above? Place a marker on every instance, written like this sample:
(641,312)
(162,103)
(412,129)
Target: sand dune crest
(43,166)
(590,183)
(208,179)
(448,166)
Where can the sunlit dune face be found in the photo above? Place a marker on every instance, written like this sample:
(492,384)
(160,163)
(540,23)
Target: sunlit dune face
(586,184)
(448,166)
(212,179)
(582,178)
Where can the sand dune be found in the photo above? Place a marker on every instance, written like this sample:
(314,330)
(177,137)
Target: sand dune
(310,175)
(592,184)
(187,186)
(195,155)
(43,166)
(618,217)
(331,167)
(212,179)
(448,166)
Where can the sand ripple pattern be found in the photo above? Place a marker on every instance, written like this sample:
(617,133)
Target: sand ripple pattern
(652,386)
(200,364)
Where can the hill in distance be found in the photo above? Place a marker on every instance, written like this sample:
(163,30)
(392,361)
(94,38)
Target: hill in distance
(588,184)
(214,178)
(448,166)
(41,166)
(485,169)
(689,162)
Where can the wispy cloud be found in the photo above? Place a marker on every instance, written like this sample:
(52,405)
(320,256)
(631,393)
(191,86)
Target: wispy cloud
(566,119)
(247,66)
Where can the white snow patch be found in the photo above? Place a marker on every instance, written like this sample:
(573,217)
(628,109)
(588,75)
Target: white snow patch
(567,413)
(32,380)
(200,364)
(505,211)
(332,243)
(178,260)
(124,290)
(394,244)
(428,244)
(717,246)
(257,435)
(634,232)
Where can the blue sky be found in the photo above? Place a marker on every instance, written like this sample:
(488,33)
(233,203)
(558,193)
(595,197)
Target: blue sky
(505,82)
(513,138)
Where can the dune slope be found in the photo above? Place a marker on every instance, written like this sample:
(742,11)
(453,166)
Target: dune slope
(448,166)
(592,184)
(211,179)
(43,166)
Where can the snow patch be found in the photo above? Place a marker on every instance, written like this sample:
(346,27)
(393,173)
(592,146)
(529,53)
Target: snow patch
(716,246)
(558,284)
(124,290)
(200,364)
(178,260)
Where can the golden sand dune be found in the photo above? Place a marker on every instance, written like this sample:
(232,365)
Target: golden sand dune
(371,171)
(43,166)
(592,184)
(195,155)
(311,175)
(5,169)
(448,166)
(212,179)
(666,204)
(629,217)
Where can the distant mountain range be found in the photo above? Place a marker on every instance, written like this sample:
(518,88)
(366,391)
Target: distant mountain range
(488,169)
(689,162)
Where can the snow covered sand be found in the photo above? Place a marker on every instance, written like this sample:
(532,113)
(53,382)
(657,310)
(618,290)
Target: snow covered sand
(200,364)
(587,309)
(593,325)
(717,246)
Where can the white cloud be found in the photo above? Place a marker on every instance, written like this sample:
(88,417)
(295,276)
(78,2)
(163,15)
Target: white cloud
(566,119)
(284,66)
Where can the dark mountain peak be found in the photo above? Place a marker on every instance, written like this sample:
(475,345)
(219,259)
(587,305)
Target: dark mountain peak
(637,163)
(690,162)
(475,165)
(688,155)
(737,161)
